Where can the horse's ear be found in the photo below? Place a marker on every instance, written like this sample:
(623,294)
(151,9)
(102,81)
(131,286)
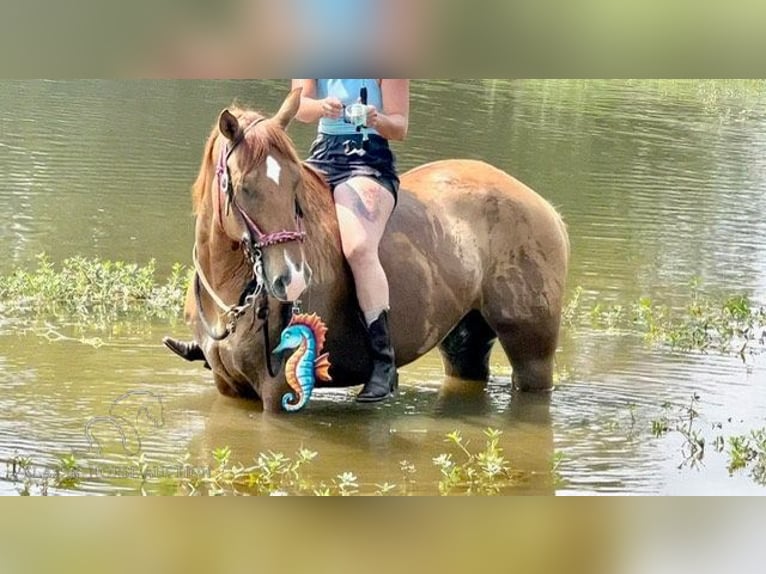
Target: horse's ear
(289,108)
(229,125)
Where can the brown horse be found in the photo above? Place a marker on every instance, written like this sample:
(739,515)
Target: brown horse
(472,255)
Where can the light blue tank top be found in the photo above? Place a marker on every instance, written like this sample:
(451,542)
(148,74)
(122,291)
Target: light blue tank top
(347,91)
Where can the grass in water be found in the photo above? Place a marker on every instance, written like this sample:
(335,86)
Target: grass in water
(471,472)
(485,472)
(91,290)
(749,452)
(727,324)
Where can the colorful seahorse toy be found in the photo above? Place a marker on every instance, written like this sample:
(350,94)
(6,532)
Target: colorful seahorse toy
(306,334)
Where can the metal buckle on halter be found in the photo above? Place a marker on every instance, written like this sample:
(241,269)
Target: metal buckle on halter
(250,299)
(233,316)
(296,307)
(258,265)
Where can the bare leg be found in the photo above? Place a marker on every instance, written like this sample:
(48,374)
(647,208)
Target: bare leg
(363,207)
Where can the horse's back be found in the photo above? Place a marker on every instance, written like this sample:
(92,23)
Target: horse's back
(491,202)
(450,171)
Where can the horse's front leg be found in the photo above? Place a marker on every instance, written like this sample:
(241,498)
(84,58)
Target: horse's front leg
(272,390)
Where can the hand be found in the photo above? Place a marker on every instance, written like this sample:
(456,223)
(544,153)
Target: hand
(331,108)
(372,117)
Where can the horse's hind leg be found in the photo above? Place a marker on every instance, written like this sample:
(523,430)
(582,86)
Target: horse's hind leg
(465,351)
(530,347)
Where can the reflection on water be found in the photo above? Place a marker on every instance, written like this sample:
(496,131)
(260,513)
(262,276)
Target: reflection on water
(659,182)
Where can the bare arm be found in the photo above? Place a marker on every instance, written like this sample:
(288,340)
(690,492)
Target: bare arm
(312,109)
(392,122)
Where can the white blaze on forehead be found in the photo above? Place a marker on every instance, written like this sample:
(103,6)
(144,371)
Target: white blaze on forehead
(297,284)
(273,169)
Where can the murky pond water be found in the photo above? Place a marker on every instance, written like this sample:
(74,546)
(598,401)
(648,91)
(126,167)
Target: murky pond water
(659,182)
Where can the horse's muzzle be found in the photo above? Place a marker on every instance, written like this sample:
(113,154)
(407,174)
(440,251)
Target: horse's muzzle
(289,286)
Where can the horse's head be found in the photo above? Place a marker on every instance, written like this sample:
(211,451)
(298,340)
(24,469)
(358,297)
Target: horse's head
(257,195)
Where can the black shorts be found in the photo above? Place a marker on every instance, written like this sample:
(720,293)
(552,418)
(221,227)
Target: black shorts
(338,158)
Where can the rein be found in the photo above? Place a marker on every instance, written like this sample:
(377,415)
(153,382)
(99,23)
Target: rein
(255,294)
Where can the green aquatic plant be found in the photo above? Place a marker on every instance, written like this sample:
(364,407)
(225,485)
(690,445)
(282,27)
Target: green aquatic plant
(32,479)
(408,471)
(557,460)
(484,472)
(67,472)
(481,472)
(571,309)
(749,451)
(660,427)
(273,473)
(725,324)
(740,453)
(683,420)
(87,288)
(745,451)
(117,297)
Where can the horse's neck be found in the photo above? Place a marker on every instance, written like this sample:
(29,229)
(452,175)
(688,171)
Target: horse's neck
(221,259)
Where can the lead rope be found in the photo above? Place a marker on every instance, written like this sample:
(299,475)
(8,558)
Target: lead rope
(215,335)
(231,312)
(236,311)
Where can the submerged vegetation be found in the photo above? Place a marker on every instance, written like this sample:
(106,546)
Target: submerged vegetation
(748,452)
(481,472)
(725,324)
(462,470)
(91,289)
(87,300)
(683,420)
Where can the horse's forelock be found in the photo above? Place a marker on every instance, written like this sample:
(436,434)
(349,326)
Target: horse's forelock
(263,140)
(260,140)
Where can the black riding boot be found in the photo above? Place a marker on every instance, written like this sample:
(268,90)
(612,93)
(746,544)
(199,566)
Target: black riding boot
(190,351)
(384,379)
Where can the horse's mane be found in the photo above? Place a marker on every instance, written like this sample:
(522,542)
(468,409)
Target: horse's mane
(255,145)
